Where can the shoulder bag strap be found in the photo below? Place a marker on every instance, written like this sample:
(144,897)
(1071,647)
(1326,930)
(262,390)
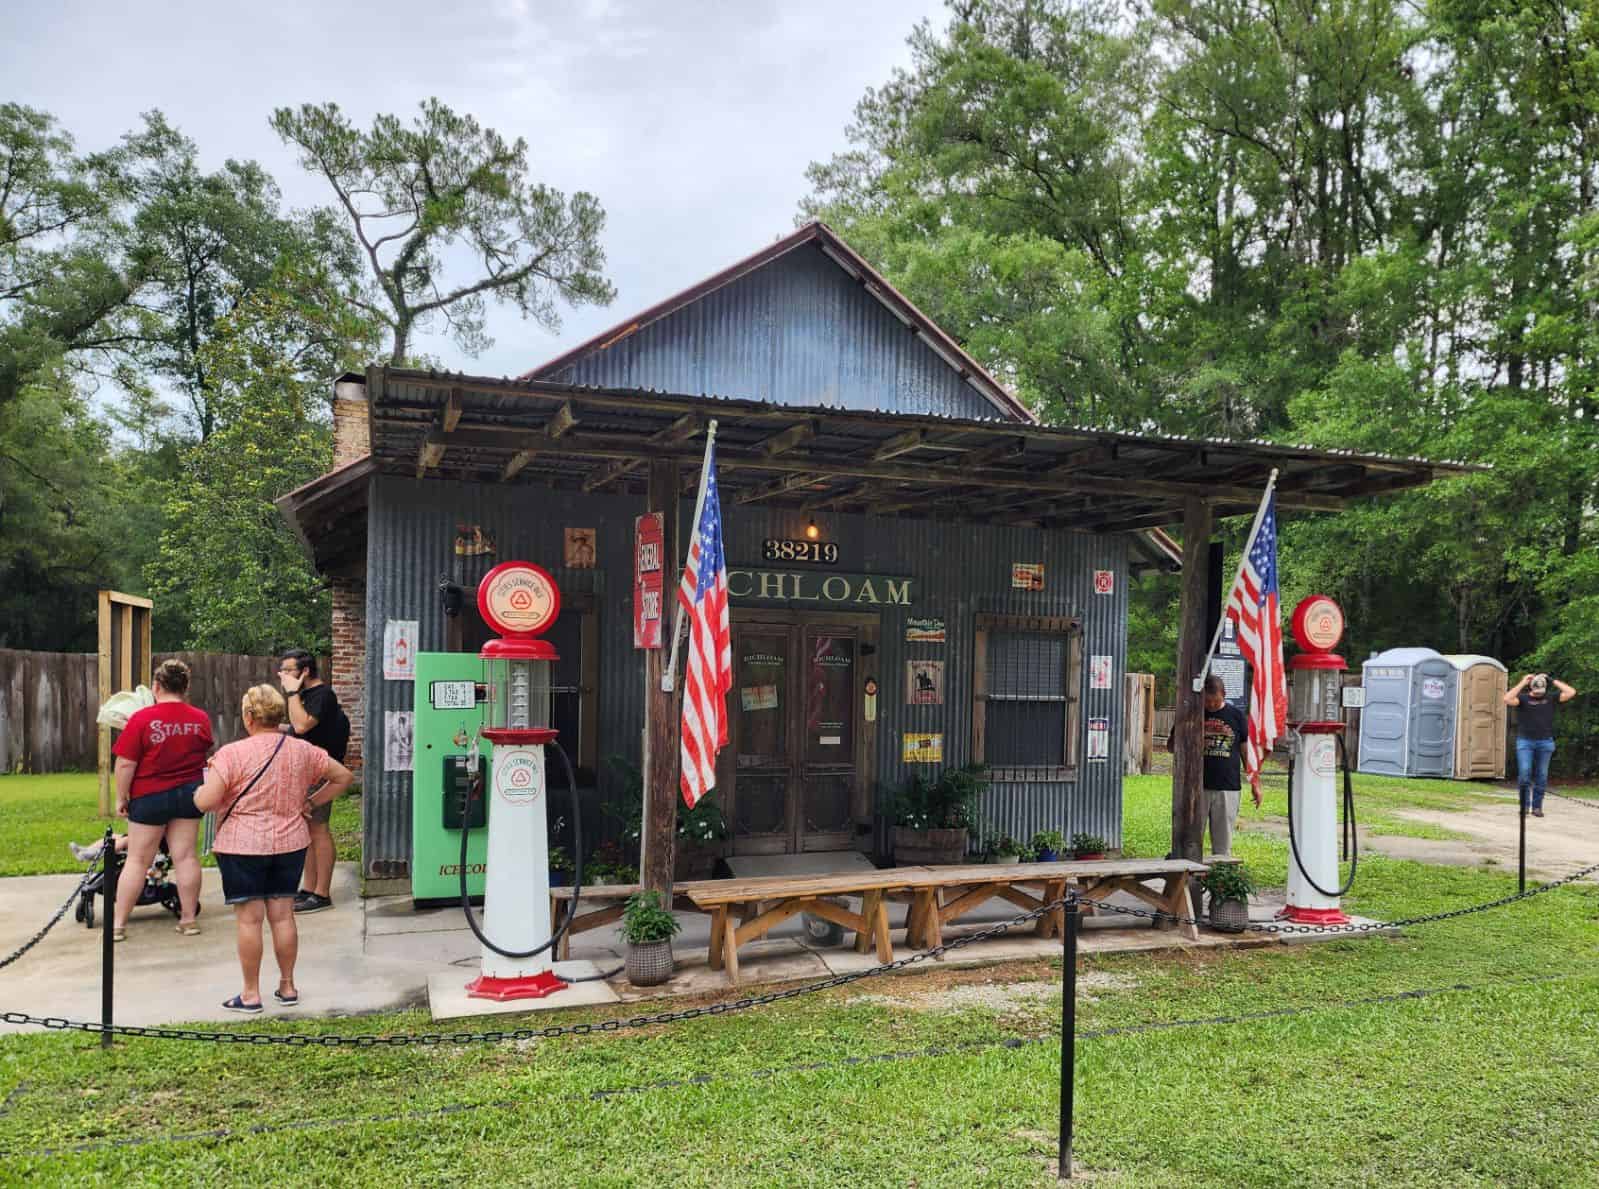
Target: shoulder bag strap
(284,739)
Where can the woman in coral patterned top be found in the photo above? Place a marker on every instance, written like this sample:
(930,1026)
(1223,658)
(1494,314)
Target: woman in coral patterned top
(263,788)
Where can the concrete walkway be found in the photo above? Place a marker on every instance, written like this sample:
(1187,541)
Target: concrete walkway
(378,954)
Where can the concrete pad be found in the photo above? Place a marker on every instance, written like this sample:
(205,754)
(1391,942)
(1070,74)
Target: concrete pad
(394,914)
(447,997)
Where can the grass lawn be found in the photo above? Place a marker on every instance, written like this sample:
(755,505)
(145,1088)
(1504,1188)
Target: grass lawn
(1488,1081)
(39,815)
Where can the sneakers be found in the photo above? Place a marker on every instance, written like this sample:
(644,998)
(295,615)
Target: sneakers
(311,902)
(1537,813)
(86,854)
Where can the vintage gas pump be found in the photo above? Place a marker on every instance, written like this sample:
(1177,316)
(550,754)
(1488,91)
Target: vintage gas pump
(1316,724)
(521,602)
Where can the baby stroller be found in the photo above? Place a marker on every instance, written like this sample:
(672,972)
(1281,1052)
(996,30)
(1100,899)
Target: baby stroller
(158,888)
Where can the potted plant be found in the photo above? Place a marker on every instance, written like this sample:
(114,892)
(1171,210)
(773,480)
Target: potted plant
(1230,886)
(933,818)
(700,832)
(1004,849)
(1047,845)
(648,929)
(1088,846)
(560,868)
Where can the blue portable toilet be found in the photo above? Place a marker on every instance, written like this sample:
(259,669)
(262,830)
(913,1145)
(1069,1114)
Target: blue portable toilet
(1408,725)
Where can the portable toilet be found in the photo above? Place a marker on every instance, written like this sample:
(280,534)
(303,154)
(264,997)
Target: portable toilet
(1408,725)
(1479,717)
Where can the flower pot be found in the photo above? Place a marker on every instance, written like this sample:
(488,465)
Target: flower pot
(1229,916)
(1048,856)
(1089,855)
(1006,859)
(649,963)
(692,860)
(916,848)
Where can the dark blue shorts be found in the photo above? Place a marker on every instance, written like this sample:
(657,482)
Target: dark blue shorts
(157,809)
(260,877)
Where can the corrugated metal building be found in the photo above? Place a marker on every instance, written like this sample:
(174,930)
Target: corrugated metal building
(971,603)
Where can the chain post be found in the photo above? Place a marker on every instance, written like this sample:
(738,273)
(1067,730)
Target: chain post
(108,855)
(1068,1035)
(1521,860)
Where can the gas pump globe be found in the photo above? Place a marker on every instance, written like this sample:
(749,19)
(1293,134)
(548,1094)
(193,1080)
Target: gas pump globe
(521,601)
(1315,718)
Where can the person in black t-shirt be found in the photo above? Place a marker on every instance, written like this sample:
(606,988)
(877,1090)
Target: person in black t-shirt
(1535,733)
(1226,727)
(316,717)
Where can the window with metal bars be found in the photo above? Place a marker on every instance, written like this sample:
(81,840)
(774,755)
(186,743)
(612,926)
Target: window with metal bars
(1027,672)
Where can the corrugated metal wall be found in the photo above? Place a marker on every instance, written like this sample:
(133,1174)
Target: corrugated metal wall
(961,571)
(798,331)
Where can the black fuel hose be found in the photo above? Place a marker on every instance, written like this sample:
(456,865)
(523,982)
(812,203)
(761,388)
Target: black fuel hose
(1352,839)
(577,878)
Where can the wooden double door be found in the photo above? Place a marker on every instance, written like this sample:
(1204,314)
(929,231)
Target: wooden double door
(802,733)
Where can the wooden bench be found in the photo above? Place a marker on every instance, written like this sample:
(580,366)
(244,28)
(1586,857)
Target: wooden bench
(949,893)
(612,899)
(743,910)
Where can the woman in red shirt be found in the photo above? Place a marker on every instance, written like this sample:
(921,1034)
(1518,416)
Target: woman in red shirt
(160,763)
(264,787)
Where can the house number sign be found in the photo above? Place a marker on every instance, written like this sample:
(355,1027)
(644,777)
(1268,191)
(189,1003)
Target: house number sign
(825,552)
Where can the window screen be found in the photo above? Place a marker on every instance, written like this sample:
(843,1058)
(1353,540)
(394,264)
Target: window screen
(1025,717)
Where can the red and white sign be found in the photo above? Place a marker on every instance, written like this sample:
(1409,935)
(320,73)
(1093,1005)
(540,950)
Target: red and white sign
(649,579)
(518,598)
(1104,581)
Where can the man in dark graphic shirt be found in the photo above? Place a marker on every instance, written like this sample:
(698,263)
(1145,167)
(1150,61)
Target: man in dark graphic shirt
(1225,731)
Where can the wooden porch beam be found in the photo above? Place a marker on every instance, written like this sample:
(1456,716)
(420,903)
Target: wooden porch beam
(902,443)
(450,414)
(682,429)
(560,421)
(781,443)
(431,454)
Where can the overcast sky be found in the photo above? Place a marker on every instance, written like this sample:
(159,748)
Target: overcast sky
(692,122)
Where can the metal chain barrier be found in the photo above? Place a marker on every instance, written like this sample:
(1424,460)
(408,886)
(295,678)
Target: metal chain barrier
(1363,926)
(1569,797)
(401,1040)
(555,1031)
(51,923)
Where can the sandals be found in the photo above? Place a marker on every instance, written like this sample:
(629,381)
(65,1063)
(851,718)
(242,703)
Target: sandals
(238,1004)
(189,930)
(119,934)
(287,1000)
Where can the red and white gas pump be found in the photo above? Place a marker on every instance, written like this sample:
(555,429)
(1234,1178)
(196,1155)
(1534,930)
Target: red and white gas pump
(1316,724)
(520,601)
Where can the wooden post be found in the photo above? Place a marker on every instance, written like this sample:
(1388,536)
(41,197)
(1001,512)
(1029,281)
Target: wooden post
(661,710)
(1187,743)
(125,663)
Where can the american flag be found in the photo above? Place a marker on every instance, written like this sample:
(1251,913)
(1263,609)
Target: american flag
(1253,605)
(709,671)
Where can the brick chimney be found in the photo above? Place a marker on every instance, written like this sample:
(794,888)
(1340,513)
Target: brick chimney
(352,440)
(352,433)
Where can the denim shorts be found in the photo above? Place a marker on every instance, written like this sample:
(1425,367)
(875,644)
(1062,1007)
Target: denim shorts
(157,809)
(260,877)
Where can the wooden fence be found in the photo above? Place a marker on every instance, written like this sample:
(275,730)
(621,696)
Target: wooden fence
(48,701)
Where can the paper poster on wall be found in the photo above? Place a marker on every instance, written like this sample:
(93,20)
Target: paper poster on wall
(758,697)
(1099,738)
(1027,575)
(397,740)
(923,630)
(924,683)
(921,749)
(1099,672)
(472,541)
(579,551)
(399,650)
(1105,582)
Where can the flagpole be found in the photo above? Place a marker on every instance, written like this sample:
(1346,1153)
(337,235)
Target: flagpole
(1249,543)
(669,676)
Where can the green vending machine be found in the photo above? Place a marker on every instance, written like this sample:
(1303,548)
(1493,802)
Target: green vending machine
(447,706)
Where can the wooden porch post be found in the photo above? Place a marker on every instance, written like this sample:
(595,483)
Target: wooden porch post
(661,710)
(1187,743)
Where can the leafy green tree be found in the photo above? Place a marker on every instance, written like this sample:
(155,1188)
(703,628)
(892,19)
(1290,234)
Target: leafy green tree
(226,559)
(440,190)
